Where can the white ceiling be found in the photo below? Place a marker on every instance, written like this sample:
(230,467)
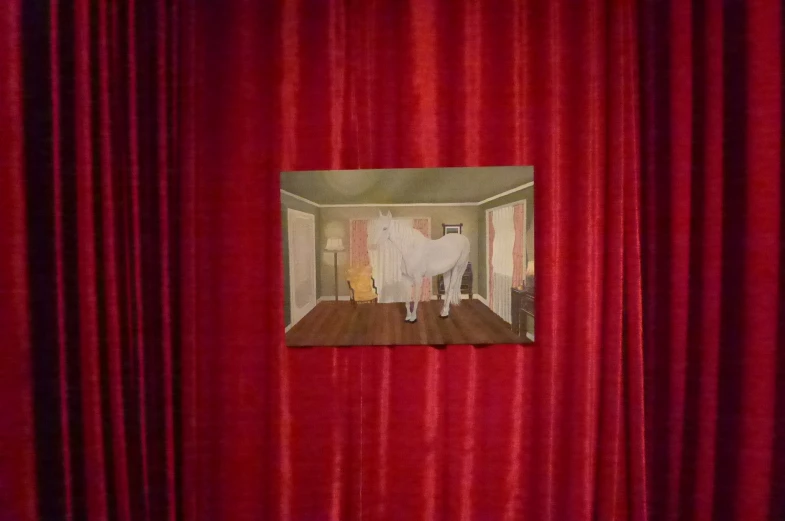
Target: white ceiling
(405,185)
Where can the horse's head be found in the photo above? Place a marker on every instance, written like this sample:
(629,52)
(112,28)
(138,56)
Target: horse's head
(380,229)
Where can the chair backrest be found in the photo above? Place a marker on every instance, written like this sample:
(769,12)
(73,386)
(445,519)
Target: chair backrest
(360,278)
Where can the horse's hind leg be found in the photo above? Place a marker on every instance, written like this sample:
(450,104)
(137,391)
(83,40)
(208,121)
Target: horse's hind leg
(454,291)
(411,314)
(446,306)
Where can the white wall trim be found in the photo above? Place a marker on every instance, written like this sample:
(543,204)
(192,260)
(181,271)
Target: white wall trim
(395,205)
(464,296)
(513,203)
(404,205)
(331,298)
(286,330)
(300,198)
(508,192)
(530,336)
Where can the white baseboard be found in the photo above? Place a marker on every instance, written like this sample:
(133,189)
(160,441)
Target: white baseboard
(332,297)
(290,326)
(463,297)
(481,299)
(530,336)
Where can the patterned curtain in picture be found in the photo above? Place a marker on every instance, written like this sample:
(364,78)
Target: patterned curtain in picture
(424,226)
(518,249)
(358,243)
(386,262)
(502,260)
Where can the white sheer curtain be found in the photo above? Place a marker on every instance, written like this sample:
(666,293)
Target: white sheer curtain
(503,241)
(386,263)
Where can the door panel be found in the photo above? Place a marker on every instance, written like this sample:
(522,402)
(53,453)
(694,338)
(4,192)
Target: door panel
(302,263)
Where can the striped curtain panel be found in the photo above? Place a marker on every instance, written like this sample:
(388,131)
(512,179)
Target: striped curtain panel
(386,262)
(424,226)
(491,237)
(518,248)
(502,260)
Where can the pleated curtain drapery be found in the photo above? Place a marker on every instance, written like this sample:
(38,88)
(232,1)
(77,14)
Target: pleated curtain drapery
(713,238)
(423,225)
(387,265)
(551,431)
(519,244)
(96,185)
(501,263)
(144,373)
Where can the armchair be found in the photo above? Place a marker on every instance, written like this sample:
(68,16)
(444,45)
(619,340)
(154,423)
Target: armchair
(362,286)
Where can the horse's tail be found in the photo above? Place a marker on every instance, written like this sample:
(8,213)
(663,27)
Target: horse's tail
(456,277)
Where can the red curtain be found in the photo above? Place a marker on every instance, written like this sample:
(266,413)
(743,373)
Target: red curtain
(554,431)
(18,499)
(144,372)
(713,264)
(97,111)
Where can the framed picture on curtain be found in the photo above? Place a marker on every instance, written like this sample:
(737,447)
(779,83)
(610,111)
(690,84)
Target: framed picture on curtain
(427,256)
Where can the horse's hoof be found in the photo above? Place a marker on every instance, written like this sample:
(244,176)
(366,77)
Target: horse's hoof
(444,316)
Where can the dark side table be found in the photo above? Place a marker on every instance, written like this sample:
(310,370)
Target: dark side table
(522,305)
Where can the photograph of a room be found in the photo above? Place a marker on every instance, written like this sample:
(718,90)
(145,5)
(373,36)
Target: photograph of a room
(344,285)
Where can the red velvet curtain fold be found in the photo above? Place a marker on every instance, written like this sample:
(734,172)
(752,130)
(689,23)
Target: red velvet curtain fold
(143,370)
(713,235)
(96,156)
(18,499)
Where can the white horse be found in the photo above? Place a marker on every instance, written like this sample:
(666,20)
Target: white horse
(423,257)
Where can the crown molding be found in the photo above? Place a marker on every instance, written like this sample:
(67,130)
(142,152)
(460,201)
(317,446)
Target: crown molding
(508,192)
(395,205)
(403,205)
(300,198)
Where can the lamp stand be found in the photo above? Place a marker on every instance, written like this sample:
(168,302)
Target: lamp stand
(335,263)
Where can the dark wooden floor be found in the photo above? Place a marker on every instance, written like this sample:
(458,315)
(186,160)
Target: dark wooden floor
(341,324)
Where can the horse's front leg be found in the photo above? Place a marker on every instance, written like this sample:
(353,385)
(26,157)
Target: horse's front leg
(417,292)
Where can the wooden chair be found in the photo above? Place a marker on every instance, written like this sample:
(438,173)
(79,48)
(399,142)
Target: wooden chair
(362,286)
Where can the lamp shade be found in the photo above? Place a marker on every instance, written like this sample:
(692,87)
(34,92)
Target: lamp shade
(334,244)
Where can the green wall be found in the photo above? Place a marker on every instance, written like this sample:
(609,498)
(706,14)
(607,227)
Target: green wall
(340,217)
(472,217)
(482,266)
(295,204)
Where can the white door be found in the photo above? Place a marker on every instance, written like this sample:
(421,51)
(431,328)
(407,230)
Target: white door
(302,264)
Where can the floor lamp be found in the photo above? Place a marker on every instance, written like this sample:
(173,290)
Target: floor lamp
(334,245)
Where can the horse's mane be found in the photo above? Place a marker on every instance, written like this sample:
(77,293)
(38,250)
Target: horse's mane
(409,236)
